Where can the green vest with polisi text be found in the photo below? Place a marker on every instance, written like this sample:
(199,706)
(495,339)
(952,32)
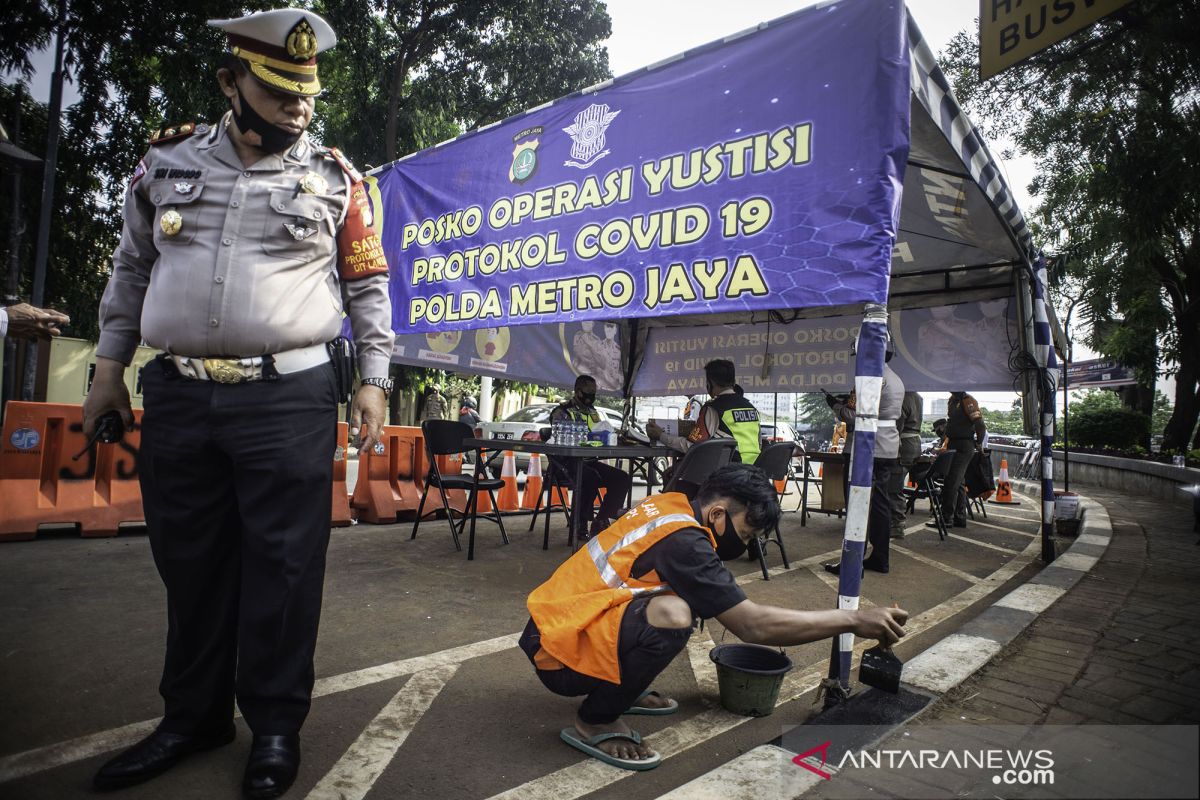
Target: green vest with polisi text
(739,419)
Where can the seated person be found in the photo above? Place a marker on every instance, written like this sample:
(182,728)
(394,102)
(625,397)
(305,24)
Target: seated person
(611,618)
(581,407)
(728,415)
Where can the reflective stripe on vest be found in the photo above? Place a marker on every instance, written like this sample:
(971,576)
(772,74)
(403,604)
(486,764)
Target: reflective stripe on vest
(600,556)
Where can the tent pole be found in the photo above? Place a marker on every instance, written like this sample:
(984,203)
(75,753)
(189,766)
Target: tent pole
(868,384)
(1047,365)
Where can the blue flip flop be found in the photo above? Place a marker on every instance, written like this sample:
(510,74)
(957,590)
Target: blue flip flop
(652,711)
(573,738)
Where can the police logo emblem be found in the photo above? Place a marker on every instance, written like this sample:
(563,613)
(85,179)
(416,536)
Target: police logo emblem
(302,41)
(184,188)
(312,183)
(587,135)
(524,162)
(171,222)
(299,232)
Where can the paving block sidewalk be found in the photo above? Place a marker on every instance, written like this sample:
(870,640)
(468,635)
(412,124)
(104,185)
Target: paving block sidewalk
(1121,647)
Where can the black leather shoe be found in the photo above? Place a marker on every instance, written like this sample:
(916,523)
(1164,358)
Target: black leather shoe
(874,567)
(833,569)
(274,761)
(960,523)
(154,755)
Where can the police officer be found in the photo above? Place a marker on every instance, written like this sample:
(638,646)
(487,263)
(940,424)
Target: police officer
(909,424)
(581,407)
(243,244)
(728,415)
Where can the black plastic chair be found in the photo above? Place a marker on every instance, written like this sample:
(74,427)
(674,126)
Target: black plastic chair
(775,460)
(701,460)
(445,437)
(554,482)
(928,477)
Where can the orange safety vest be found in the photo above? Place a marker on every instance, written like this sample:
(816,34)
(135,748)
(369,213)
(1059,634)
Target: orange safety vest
(578,610)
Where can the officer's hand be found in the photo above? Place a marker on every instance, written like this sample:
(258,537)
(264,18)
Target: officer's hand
(884,624)
(108,393)
(28,322)
(653,431)
(367,415)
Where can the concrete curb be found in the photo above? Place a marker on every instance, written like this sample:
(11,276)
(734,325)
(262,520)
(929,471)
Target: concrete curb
(934,672)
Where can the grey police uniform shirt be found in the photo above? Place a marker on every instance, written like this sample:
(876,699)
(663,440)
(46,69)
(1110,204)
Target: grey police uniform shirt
(891,402)
(252,269)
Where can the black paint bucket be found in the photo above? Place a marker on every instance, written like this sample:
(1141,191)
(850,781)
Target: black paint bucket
(749,676)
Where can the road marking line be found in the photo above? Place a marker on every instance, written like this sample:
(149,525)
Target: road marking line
(703,668)
(1032,597)
(40,759)
(949,662)
(767,771)
(361,765)
(958,573)
(756,575)
(52,756)
(590,775)
(1002,528)
(988,545)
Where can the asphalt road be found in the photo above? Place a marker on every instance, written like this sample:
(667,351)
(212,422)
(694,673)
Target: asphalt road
(421,691)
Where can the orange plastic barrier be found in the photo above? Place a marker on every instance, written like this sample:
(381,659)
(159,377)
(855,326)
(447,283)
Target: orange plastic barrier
(509,498)
(533,483)
(387,480)
(340,517)
(41,485)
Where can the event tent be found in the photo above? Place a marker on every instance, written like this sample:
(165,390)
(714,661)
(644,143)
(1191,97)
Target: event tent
(768,197)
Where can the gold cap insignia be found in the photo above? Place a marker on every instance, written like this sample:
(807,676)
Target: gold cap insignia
(171,222)
(312,183)
(302,41)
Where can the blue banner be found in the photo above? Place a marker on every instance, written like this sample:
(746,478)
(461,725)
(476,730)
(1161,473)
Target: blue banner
(759,173)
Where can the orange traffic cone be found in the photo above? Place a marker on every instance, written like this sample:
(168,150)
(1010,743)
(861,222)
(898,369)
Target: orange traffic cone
(1004,495)
(509,498)
(533,483)
(780,486)
(600,495)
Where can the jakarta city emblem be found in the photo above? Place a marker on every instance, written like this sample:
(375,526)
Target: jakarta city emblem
(524,162)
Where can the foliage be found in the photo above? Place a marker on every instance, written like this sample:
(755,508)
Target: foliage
(1004,423)
(1112,116)
(1107,426)
(410,73)
(405,75)
(812,410)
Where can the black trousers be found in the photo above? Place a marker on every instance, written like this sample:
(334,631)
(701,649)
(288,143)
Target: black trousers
(953,505)
(879,520)
(617,485)
(236,485)
(643,651)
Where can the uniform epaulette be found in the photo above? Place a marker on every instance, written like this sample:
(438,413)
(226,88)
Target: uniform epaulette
(343,162)
(172,132)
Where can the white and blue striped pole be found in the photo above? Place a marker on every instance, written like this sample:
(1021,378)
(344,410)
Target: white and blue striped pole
(1048,367)
(868,384)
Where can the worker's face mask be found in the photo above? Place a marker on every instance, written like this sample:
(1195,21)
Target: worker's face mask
(587,398)
(729,545)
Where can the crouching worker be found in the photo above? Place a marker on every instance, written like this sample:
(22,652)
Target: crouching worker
(615,614)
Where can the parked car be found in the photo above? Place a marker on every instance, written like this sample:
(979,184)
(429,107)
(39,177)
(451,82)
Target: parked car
(530,420)
(781,432)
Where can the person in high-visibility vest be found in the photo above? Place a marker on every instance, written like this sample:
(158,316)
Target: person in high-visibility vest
(618,611)
(728,415)
(581,407)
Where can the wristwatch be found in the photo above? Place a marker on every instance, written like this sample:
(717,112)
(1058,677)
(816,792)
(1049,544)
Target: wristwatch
(383,383)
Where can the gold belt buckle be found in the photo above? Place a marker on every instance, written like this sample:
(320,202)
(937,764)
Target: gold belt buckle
(224,370)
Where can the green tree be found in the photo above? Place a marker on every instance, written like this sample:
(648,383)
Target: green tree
(812,410)
(410,73)
(1112,116)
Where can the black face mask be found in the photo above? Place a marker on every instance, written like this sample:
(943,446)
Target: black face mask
(730,546)
(274,138)
(587,399)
